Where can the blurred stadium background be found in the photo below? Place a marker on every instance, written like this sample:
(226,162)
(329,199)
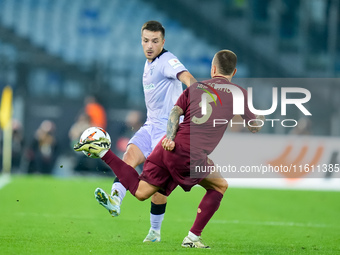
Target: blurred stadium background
(55,54)
(67,60)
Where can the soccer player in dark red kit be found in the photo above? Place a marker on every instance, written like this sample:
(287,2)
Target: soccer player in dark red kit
(186,146)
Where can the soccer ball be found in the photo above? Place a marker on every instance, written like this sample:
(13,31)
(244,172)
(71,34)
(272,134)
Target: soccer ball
(91,134)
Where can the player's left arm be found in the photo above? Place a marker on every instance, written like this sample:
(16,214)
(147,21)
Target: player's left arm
(173,123)
(257,124)
(186,78)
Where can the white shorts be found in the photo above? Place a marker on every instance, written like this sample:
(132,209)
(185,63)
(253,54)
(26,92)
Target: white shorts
(147,137)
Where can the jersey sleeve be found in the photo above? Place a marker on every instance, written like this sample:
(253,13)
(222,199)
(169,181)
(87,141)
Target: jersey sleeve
(183,100)
(172,67)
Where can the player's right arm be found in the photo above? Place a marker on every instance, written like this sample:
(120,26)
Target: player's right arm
(256,121)
(186,78)
(172,127)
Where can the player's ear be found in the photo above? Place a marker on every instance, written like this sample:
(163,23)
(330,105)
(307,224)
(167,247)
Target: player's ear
(213,70)
(235,71)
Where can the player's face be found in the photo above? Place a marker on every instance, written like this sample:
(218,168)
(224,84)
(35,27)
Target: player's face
(152,43)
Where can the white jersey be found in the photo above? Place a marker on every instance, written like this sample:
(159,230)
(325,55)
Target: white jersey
(161,87)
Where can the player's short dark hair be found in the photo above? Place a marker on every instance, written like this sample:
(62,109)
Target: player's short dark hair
(225,60)
(153,26)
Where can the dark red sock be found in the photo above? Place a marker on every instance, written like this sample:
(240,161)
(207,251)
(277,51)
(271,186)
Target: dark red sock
(206,209)
(126,174)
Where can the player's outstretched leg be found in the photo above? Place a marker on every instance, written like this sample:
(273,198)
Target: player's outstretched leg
(111,203)
(127,175)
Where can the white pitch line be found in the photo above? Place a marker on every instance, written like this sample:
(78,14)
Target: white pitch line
(4,180)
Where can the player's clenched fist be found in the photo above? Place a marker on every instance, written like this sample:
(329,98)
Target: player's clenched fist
(168,144)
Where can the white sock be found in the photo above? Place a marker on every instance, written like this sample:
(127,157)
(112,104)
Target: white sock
(102,153)
(193,237)
(120,188)
(156,221)
(157,231)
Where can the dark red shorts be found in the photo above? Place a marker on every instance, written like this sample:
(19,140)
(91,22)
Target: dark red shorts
(167,169)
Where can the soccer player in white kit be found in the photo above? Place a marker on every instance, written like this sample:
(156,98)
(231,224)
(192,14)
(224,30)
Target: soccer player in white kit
(162,83)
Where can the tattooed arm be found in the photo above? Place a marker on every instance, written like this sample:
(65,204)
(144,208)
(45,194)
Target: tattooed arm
(257,124)
(173,123)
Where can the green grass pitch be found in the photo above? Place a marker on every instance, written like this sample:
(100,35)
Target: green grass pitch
(46,215)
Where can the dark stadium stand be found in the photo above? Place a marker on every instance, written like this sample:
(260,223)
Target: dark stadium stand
(280,38)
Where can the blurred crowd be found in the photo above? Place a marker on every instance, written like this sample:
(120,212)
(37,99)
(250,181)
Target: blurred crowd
(42,153)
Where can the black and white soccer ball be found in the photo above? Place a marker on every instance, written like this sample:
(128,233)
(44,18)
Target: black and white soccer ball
(94,133)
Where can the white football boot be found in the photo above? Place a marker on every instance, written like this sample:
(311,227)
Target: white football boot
(95,147)
(153,236)
(111,203)
(188,243)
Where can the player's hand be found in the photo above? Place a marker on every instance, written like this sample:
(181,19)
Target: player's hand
(168,144)
(257,124)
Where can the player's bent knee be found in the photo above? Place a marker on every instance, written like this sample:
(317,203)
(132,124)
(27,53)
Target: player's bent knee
(158,198)
(141,196)
(133,156)
(127,157)
(223,186)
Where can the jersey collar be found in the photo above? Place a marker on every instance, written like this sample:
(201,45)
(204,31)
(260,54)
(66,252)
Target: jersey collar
(161,53)
(219,76)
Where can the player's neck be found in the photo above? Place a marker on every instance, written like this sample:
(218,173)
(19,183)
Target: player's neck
(159,54)
(227,77)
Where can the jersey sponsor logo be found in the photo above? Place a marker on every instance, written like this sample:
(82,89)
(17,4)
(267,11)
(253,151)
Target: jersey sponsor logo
(174,63)
(148,86)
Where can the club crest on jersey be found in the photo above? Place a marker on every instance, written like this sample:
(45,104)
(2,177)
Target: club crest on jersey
(208,92)
(151,69)
(174,63)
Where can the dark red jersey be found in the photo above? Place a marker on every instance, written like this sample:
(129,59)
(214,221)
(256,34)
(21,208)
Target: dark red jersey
(196,138)
(206,130)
